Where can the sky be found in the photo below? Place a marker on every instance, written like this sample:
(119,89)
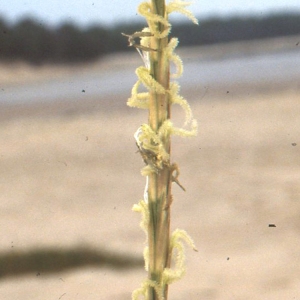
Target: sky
(109,12)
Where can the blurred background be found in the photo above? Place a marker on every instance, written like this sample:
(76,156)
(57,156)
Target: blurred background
(57,33)
(69,172)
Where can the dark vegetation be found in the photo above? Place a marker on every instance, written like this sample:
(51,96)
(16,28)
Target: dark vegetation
(43,261)
(34,42)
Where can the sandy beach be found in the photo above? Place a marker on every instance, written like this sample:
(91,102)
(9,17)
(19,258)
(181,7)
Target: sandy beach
(70,175)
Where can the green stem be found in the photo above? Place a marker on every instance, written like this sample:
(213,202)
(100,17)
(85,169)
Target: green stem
(159,189)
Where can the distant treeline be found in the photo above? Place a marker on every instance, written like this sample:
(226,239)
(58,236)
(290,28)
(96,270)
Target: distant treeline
(34,42)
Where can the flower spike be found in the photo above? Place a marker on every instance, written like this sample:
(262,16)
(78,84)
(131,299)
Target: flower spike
(153,141)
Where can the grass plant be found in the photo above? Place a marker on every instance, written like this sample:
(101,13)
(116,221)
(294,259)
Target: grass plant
(154,143)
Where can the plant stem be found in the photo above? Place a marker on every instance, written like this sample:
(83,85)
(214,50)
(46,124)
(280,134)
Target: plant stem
(159,189)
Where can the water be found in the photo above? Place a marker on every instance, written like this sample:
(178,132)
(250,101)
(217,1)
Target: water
(268,68)
(264,68)
(79,86)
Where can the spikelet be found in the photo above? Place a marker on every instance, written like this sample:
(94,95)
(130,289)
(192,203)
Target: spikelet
(144,10)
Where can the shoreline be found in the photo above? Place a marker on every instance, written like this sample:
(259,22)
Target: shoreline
(117,103)
(19,73)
